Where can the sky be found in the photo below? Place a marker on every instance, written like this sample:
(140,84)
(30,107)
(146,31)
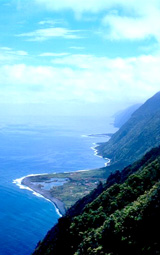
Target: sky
(73,57)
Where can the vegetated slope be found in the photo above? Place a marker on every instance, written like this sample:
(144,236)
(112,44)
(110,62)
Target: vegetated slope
(122,219)
(137,136)
(123,116)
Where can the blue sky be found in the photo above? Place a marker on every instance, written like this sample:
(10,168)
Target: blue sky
(78,57)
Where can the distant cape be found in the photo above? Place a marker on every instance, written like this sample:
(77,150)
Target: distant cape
(123,116)
(137,136)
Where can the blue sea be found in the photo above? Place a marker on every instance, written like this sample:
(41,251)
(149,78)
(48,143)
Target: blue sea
(34,148)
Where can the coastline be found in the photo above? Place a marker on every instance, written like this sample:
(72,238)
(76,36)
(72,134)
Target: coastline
(96,154)
(25,183)
(80,183)
(37,190)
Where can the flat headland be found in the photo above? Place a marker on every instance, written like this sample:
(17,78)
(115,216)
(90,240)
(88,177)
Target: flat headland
(38,188)
(64,189)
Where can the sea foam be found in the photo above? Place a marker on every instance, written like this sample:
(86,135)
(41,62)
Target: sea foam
(18,182)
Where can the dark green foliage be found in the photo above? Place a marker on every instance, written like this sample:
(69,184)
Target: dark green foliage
(137,136)
(120,217)
(78,207)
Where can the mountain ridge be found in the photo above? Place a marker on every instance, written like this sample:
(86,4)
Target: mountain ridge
(137,136)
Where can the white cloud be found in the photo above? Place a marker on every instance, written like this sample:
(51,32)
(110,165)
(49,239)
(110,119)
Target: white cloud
(47,22)
(123,19)
(128,27)
(85,78)
(76,60)
(51,54)
(47,33)
(77,6)
(10,55)
(7,50)
(21,53)
(97,6)
(77,48)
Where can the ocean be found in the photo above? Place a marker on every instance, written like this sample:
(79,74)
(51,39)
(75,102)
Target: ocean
(34,148)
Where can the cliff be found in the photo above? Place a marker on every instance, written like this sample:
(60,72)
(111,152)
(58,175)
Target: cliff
(120,217)
(137,136)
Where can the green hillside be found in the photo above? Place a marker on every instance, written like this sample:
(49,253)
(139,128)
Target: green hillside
(137,136)
(122,218)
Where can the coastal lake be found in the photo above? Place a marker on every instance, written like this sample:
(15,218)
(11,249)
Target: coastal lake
(60,146)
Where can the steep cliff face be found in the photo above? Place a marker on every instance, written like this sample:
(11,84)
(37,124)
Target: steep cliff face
(121,217)
(137,136)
